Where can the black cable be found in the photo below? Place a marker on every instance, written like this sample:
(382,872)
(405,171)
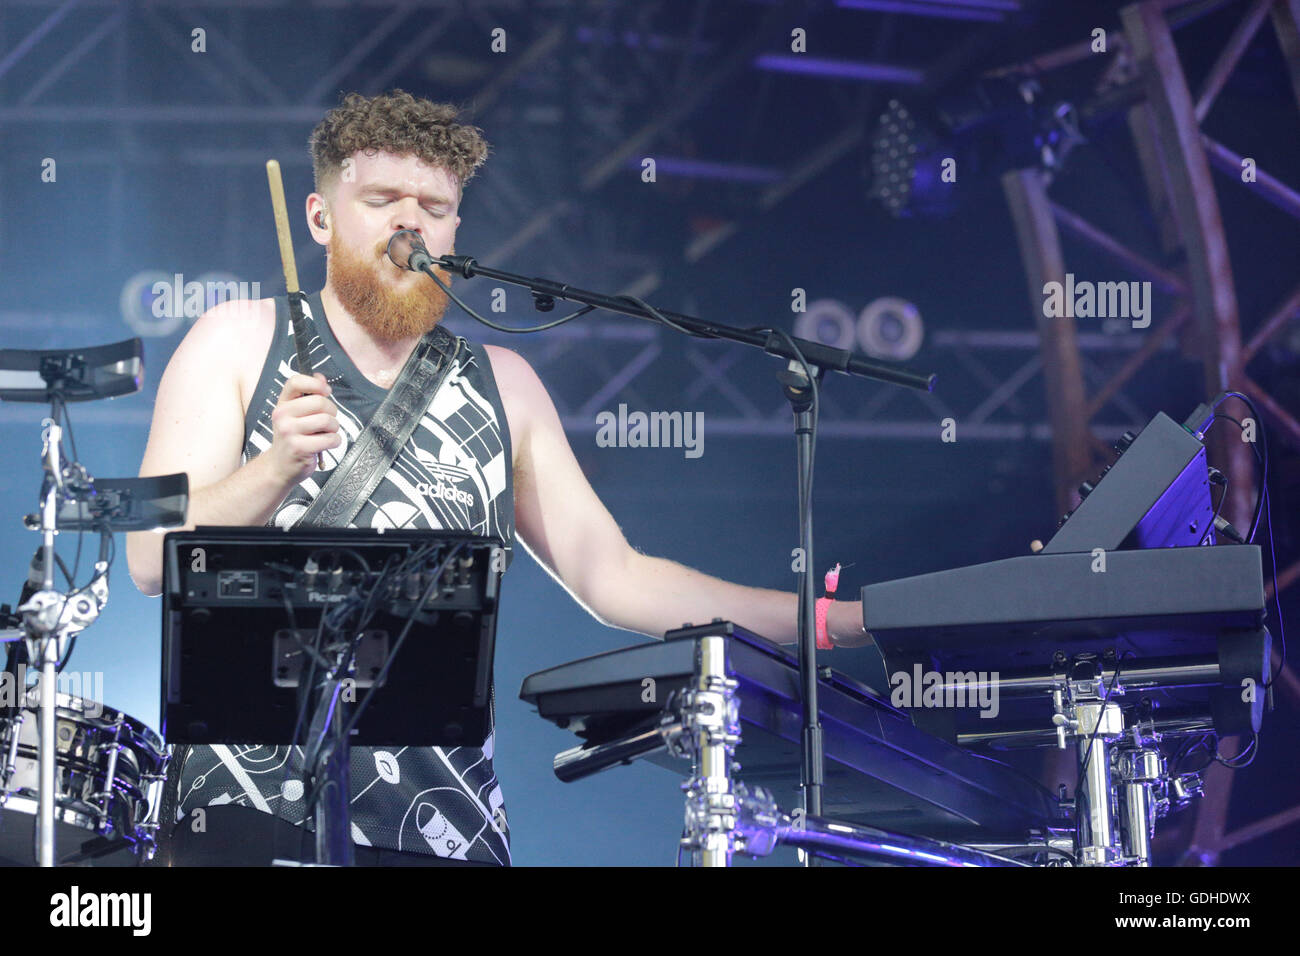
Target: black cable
(76,561)
(429,271)
(1033,851)
(1265,502)
(1254,447)
(311,652)
(67,422)
(1263,441)
(303,697)
(351,552)
(1240,425)
(369,608)
(106,534)
(111,544)
(1087,754)
(68,576)
(61,407)
(653,313)
(434,581)
(1248,754)
(664,320)
(67,655)
(311,656)
(413,560)
(376,590)
(108,566)
(339,616)
(1027,777)
(1074,860)
(1198,743)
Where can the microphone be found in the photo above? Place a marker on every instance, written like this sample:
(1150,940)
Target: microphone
(407,250)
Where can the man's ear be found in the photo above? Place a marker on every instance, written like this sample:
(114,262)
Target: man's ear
(318,219)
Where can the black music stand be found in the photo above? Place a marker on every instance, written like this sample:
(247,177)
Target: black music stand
(251,615)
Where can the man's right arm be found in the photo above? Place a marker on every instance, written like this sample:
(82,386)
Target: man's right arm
(198,428)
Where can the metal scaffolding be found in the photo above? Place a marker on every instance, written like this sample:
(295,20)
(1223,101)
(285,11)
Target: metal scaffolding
(1175,157)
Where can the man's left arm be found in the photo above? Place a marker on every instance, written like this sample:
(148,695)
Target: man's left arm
(668,595)
(569,530)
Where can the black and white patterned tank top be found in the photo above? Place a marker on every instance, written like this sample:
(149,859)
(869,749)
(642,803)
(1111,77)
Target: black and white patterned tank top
(453,473)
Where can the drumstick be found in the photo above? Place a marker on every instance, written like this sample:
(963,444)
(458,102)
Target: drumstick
(296,298)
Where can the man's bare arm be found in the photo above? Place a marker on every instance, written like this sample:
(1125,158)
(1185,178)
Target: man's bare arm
(571,533)
(198,428)
(653,595)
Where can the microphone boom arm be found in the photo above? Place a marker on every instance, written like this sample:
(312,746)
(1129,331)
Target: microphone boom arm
(816,353)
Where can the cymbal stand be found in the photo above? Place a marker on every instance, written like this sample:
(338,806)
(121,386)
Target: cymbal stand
(51,618)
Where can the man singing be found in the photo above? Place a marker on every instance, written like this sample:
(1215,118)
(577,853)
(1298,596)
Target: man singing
(489,455)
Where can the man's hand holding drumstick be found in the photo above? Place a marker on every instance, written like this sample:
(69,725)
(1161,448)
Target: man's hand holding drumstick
(304,423)
(306,416)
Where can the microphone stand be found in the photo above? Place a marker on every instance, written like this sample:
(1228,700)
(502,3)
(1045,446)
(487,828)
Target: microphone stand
(799,391)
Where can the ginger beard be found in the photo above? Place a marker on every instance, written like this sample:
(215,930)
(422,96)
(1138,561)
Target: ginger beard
(386,312)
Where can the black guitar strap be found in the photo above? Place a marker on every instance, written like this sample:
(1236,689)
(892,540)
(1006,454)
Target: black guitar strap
(377,447)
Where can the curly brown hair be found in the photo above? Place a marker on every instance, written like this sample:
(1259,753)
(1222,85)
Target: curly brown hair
(399,123)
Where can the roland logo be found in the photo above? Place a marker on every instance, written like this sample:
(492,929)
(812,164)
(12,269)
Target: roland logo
(319,597)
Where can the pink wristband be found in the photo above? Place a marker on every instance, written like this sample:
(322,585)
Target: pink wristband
(823,638)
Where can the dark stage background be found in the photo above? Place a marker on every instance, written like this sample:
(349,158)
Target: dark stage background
(762,185)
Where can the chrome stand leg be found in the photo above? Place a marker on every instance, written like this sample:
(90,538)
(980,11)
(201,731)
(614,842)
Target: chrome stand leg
(710,720)
(1140,771)
(1099,725)
(49,698)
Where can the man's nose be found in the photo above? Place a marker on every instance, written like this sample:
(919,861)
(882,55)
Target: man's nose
(404,217)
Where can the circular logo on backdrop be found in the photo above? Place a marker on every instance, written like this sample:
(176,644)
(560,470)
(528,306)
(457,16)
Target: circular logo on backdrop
(140,294)
(155,303)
